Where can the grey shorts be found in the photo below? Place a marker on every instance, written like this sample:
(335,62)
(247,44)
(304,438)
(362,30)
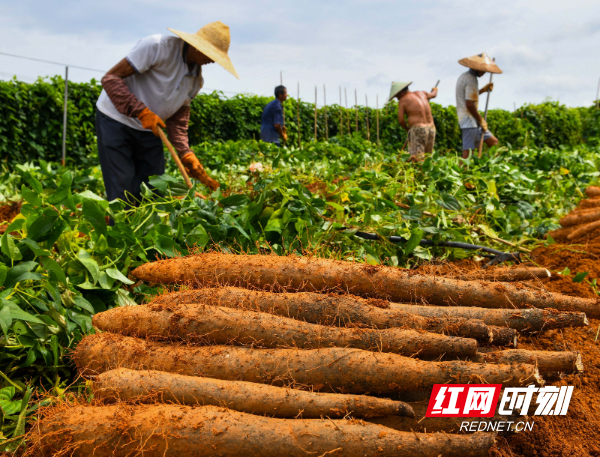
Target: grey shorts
(472,137)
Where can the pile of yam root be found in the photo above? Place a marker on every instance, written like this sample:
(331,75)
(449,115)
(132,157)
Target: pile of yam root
(583,221)
(272,356)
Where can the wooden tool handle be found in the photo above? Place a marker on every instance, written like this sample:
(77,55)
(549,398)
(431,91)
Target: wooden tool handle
(177,160)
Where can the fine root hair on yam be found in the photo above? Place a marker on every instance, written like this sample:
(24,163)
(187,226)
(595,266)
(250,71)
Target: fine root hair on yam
(522,320)
(304,274)
(197,323)
(328,309)
(128,385)
(176,430)
(546,361)
(341,370)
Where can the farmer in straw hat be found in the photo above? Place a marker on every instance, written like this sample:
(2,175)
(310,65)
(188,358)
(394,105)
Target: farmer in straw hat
(471,123)
(152,87)
(420,128)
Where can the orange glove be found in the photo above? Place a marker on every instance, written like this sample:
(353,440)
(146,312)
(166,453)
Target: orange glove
(151,120)
(195,169)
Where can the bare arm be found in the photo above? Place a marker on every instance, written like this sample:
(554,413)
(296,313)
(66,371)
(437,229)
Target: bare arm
(401,115)
(431,94)
(123,69)
(473,110)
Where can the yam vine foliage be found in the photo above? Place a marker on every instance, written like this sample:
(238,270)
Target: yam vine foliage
(31,122)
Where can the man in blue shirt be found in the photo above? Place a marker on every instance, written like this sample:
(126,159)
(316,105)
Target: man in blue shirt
(272,127)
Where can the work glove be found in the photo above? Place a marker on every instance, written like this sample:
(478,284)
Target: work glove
(195,169)
(483,124)
(488,87)
(284,136)
(151,121)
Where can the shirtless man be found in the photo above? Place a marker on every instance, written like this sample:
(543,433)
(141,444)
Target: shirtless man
(420,128)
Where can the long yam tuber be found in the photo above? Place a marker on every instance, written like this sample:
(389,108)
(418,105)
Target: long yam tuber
(328,309)
(593,191)
(546,361)
(580,218)
(246,397)
(523,320)
(583,230)
(507,274)
(319,275)
(332,370)
(174,430)
(218,325)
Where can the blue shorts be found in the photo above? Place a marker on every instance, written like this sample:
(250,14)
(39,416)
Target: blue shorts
(472,137)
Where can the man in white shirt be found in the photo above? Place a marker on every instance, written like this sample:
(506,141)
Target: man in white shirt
(471,123)
(150,88)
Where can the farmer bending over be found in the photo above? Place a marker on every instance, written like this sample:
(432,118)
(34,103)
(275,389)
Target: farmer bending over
(272,123)
(152,87)
(420,128)
(470,121)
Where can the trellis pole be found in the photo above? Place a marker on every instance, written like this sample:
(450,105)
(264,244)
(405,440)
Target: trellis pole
(367,111)
(325,108)
(66,98)
(299,141)
(356,109)
(347,113)
(377,107)
(315,114)
(341,115)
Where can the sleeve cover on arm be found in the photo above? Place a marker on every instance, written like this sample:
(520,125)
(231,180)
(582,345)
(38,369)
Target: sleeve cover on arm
(177,130)
(125,102)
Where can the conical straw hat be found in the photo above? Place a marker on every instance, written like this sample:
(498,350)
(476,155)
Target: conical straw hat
(212,40)
(480,62)
(397,87)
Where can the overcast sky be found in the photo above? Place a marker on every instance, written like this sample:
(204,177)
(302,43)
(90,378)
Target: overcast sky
(547,49)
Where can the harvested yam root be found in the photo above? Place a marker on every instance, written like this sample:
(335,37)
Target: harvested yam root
(507,274)
(580,218)
(546,361)
(584,230)
(333,369)
(328,309)
(593,191)
(561,234)
(218,325)
(421,423)
(172,430)
(321,275)
(589,203)
(523,320)
(246,397)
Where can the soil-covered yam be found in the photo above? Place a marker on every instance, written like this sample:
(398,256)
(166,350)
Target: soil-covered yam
(246,397)
(522,320)
(593,191)
(321,275)
(340,370)
(328,309)
(546,361)
(580,218)
(218,325)
(175,430)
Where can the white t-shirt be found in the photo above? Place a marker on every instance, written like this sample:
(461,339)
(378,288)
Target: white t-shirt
(467,88)
(163,81)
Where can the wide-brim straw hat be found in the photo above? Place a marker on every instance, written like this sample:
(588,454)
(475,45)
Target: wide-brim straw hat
(480,62)
(212,40)
(397,87)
